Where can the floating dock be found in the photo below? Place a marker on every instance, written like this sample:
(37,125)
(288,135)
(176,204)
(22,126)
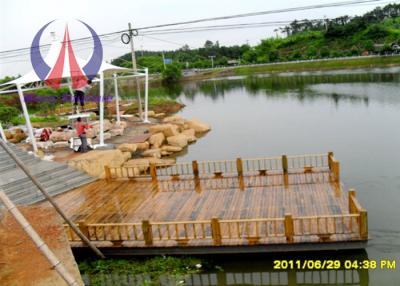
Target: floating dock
(285,203)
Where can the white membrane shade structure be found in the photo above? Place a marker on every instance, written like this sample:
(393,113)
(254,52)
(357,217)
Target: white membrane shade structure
(31,81)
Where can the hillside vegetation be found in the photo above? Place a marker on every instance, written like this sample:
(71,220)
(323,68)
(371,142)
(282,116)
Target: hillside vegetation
(376,32)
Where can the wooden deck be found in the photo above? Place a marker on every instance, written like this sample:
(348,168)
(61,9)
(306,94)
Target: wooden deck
(298,205)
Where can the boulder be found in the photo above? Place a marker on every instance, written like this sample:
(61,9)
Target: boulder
(169,148)
(156,153)
(93,162)
(58,136)
(8,134)
(127,155)
(145,162)
(159,115)
(178,140)
(127,147)
(107,135)
(96,125)
(157,139)
(165,153)
(198,125)
(189,132)
(90,133)
(167,129)
(117,132)
(191,138)
(151,113)
(143,146)
(45,145)
(61,144)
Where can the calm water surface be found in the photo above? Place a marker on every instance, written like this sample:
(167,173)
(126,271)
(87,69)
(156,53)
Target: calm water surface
(355,114)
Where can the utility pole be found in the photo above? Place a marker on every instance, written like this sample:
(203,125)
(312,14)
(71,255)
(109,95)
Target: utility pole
(135,69)
(212,61)
(163,58)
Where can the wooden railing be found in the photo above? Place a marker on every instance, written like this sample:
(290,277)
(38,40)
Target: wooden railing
(223,183)
(239,167)
(217,231)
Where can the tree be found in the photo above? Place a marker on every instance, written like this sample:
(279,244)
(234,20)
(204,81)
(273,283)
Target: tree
(172,74)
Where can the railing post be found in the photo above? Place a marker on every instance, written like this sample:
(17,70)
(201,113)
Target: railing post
(352,194)
(284,164)
(336,170)
(84,228)
(289,228)
(195,167)
(363,224)
(330,159)
(216,231)
(147,232)
(153,172)
(239,167)
(107,173)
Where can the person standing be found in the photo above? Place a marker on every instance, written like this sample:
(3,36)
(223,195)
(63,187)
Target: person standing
(79,95)
(81,132)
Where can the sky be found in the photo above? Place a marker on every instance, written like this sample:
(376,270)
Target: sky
(21,19)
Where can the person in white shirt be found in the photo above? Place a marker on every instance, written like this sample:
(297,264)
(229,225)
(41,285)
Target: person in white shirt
(79,95)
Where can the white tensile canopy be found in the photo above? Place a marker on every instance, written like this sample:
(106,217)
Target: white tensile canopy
(31,81)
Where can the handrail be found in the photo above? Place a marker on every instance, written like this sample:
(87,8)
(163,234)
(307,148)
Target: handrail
(218,230)
(238,167)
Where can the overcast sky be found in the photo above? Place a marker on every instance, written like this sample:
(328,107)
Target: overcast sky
(20,20)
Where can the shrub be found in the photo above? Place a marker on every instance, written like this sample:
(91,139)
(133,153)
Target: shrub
(7,113)
(171,74)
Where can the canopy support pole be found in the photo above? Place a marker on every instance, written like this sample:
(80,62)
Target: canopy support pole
(72,94)
(146,96)
(101,109)
(27,119)
(116,99)
(2,134)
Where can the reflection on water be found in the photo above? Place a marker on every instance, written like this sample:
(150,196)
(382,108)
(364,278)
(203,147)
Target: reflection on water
(252,270)
(355,88)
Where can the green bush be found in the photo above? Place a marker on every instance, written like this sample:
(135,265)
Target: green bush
(7,113)
(171,74)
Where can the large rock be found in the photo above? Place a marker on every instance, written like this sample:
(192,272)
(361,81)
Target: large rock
(189,132)
(169,148)
(8,134)
(143,146)
(127,155)
(156,153)
(93,162)
(156,140)
(90,133)
(107,125)
(145,162)
(198,125)
(58,136)
(117,131)
(127,147)
(167,129)
(107,135)
(61,144)
(178,140)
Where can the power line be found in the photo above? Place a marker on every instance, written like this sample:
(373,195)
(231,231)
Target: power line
(252,14)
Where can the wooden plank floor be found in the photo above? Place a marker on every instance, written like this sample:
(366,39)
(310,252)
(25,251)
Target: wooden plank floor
(263,197)
(227,198)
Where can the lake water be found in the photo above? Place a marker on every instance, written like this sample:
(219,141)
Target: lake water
(354,114)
